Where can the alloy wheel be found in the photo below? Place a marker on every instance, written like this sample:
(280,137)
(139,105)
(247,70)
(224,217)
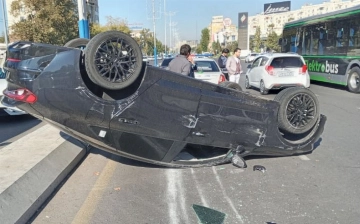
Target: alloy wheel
(300,110)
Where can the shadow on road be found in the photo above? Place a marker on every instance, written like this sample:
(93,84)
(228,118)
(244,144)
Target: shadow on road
(11,126)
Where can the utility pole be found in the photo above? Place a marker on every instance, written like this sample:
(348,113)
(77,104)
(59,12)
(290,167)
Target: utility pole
(83,22)
(165,24)
(153,18)
(3,2)
(170,14)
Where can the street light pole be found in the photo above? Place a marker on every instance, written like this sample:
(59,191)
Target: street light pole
(5,24)
(83,22)
(155,54)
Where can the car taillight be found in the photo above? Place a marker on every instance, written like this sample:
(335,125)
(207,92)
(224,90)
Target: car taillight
(221,78)
(269,69)
(303,70)
(23,95)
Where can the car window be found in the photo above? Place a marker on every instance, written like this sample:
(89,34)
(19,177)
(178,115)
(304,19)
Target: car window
(254,54)
(287,62)
(256,62)
(166,62)
(264,60)
(207,66)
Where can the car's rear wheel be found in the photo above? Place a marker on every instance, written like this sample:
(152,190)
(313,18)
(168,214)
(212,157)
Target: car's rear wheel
(230,85)
(247,83)
(113,60)
(77,43)
(353,82)
(263,90)
(299,110)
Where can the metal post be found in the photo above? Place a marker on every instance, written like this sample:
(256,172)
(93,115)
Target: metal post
(155,54)
(165,24)
(83,22)
(5,23)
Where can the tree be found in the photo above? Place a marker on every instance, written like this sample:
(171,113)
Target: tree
(205,39)
(272,41)
(216,47)
(46,21)
(256,41)
(232,46)
(111,24)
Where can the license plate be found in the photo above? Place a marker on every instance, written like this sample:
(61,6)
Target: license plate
(285,73)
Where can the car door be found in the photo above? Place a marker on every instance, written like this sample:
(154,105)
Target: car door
(253,73)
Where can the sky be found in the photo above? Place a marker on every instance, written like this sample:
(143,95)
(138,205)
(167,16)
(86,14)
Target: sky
(189,16)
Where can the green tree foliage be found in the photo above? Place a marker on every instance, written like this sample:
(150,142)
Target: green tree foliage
(272,39)
(216,47)
(46,21)
(146,43)
(111,24)
(256,41)
(232,46)
(205,39)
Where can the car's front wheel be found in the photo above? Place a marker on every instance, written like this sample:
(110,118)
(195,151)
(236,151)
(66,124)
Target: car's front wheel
(230,85)
(298,111)
(263,90)
(247,83)
(77,43)
(113,60)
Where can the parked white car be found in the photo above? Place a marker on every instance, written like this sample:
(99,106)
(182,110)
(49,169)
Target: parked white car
(277,71)
(251,57)
(208,70)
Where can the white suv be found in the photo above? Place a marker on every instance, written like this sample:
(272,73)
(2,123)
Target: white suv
(277,71)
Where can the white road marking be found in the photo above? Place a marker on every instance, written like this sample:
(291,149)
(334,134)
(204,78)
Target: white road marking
(171,195)
(305,158)
(226,196)
(181,196)
(203,201)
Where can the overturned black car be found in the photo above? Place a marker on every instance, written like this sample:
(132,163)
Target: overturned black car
(106,96)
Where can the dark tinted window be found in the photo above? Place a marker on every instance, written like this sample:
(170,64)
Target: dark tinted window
(286,62)
(166,62)
(207,66)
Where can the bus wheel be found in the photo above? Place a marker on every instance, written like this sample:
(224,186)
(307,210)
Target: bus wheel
(298,111)
(353,82)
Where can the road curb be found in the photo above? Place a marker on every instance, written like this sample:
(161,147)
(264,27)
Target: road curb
(20,201)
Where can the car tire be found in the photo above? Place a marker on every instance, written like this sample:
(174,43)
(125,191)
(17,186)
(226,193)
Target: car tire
(113,60)
(247,83)
(298,111)
(77,43)
(263,90)
(353,81)
(230,85)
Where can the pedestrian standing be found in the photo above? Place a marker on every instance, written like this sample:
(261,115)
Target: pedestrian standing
(233,66)
(180,64)
(222,62)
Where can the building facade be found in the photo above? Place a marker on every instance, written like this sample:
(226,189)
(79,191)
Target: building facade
(279,19)
(218,31)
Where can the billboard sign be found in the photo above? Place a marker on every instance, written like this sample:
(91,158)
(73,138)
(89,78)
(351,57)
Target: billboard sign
(243,20)
(276,7)
(227,22)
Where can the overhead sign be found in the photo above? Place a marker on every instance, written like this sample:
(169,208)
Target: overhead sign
(276,7)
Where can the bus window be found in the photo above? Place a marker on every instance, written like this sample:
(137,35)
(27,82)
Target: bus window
(354,38)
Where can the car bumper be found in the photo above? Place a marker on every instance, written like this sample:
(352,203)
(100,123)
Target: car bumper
(279,83)
(9,110)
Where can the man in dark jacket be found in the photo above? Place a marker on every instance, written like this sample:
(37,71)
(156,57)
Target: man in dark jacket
(180,64)
(222,62)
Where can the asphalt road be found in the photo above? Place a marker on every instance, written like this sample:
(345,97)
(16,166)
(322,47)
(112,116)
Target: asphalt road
(315,188)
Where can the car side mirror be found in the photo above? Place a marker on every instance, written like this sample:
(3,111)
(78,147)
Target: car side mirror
(248,66)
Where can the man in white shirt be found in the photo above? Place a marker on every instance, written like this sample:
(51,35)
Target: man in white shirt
(233,65)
